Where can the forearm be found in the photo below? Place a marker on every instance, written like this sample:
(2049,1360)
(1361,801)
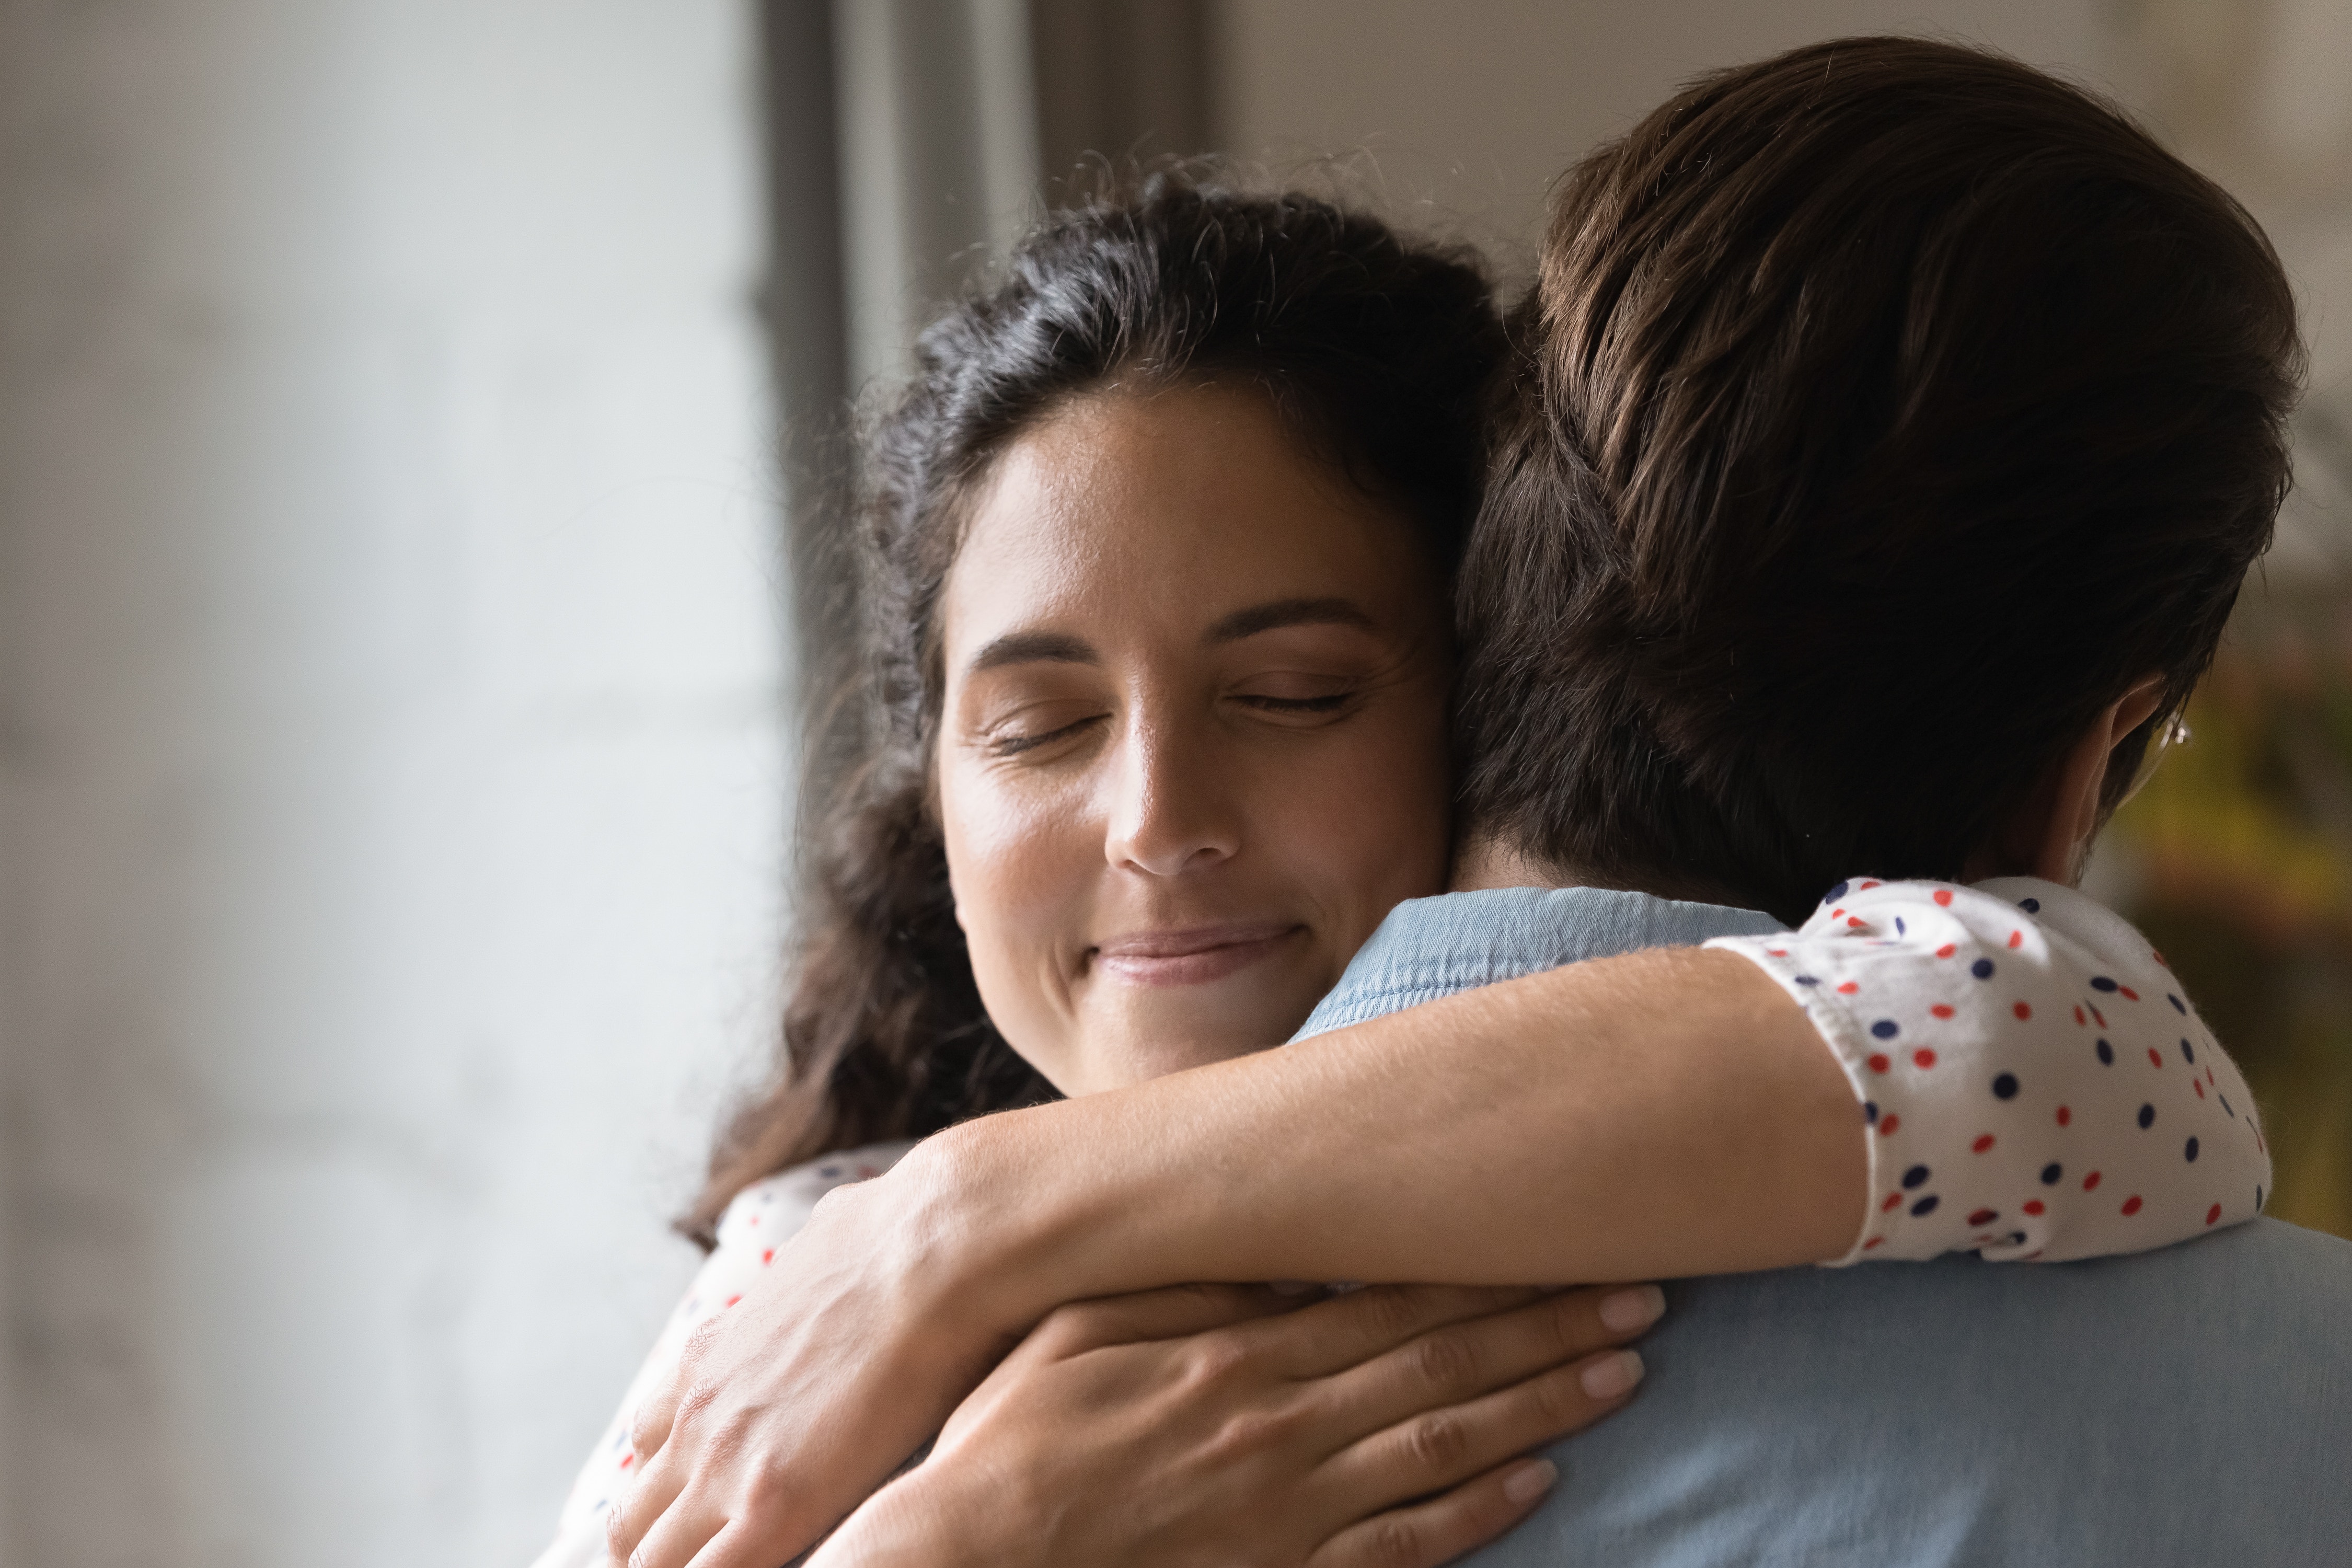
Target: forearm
(1661,1114)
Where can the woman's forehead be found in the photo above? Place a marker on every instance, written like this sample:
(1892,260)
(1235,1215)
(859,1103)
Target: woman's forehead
(1187,504)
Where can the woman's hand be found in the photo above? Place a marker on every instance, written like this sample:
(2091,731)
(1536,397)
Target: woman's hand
(1217,1423)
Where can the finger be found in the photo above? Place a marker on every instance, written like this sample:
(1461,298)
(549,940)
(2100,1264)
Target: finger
(1329,1336)
(1464,1360)
(1443,1528)
(737,1547)
(1175,1312)
(649,1425)
(637,1512)
(1438,1448)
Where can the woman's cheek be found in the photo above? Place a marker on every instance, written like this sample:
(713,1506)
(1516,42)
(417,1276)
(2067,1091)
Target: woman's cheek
(1019,898)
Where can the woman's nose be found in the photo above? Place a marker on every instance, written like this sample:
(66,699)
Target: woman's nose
(1174,811)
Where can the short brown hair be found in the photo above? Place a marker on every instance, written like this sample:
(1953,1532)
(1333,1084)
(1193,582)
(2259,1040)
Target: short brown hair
(1883,410)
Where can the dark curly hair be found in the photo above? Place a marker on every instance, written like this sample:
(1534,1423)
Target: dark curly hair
(1375,350)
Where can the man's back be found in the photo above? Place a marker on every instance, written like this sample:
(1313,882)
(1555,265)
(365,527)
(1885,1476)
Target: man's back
(2189,1405)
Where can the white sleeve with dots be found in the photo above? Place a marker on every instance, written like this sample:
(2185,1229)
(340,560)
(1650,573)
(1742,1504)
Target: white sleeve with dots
(762,1217)
(2036,1084)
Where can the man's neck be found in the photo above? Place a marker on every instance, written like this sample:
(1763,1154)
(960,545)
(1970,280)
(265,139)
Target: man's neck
(1485,862)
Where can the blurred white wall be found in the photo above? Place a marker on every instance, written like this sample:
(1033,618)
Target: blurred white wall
(1462,113)
(391,785)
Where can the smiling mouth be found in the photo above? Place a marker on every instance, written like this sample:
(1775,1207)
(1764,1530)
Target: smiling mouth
(1192,956)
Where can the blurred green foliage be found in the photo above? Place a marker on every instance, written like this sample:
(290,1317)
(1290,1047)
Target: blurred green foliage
(2236,860)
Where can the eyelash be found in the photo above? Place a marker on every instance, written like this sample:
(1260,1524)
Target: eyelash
(1013,745)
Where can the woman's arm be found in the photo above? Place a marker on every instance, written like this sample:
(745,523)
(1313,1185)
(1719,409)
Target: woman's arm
(1545,1130)
(1660,1114)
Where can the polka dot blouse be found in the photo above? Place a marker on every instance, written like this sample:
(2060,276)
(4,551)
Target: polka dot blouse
(2034,1082)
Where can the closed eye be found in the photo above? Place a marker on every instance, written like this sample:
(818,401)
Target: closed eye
(1331,704)
(1014,745)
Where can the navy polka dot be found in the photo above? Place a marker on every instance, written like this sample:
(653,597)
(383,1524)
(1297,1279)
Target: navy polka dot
(1926,1205)
(1914,1176)
(2258,1198)
(2190,1153)
(2188,1053)
(1836,892)
(2107,1053)
(2178,1005)
(2031,906)
(2016,1239)
(1806,980)
(2147,1116)
(2050,1172)
(2005,1086)
(1884,1029)
(2101,983)
(2225,1105)
(1870,1111)
(1981,969)
(1899,929)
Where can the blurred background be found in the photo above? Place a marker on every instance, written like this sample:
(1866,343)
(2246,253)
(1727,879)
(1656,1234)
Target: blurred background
(403,580)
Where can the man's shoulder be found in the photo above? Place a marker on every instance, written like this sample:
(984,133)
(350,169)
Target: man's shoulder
(2187,1404)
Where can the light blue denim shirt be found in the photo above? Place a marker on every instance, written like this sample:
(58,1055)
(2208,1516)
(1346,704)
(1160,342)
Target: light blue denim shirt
(2187,1406)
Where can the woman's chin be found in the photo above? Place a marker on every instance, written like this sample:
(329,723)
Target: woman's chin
(1155,1032)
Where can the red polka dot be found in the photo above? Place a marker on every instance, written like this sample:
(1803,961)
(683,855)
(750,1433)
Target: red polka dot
(2156,1058)
(1947,950)
(2017,939)
(2158,957)
(1891,1199)
(1878,1063)
(628,1458)
(1777,952)
(2079,1019)
(731,1300)
(2126,992)
(1837,914)
(2131,1205)
(1940,1011)
(1873,1241)
(2066,1115)
(2034,1205)
(1853,921)
(1982,1144)
(2212,1214)
(2198,1086)
(2022,1010)
(1848,989)
(1983,1216)
(1867,886)
(767,1254)
(2091,1182)
(1887,1125)
(2098,1017)
(1944,897)
(1923,1058)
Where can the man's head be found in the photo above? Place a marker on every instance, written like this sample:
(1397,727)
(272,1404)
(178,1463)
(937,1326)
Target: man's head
(1886,412)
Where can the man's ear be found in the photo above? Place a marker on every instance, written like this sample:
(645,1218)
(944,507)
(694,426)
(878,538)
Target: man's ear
(2063,841)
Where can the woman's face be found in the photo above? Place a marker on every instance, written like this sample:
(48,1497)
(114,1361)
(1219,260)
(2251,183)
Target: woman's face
(1192,746)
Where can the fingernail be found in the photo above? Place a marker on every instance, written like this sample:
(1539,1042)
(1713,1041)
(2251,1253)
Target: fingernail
(1630,1310)
(1611,1375)
(1531,1480)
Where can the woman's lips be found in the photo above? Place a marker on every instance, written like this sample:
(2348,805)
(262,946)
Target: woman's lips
(1191,956)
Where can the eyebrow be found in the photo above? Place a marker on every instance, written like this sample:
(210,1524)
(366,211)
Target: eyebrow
(1289,612)
(1033,647)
